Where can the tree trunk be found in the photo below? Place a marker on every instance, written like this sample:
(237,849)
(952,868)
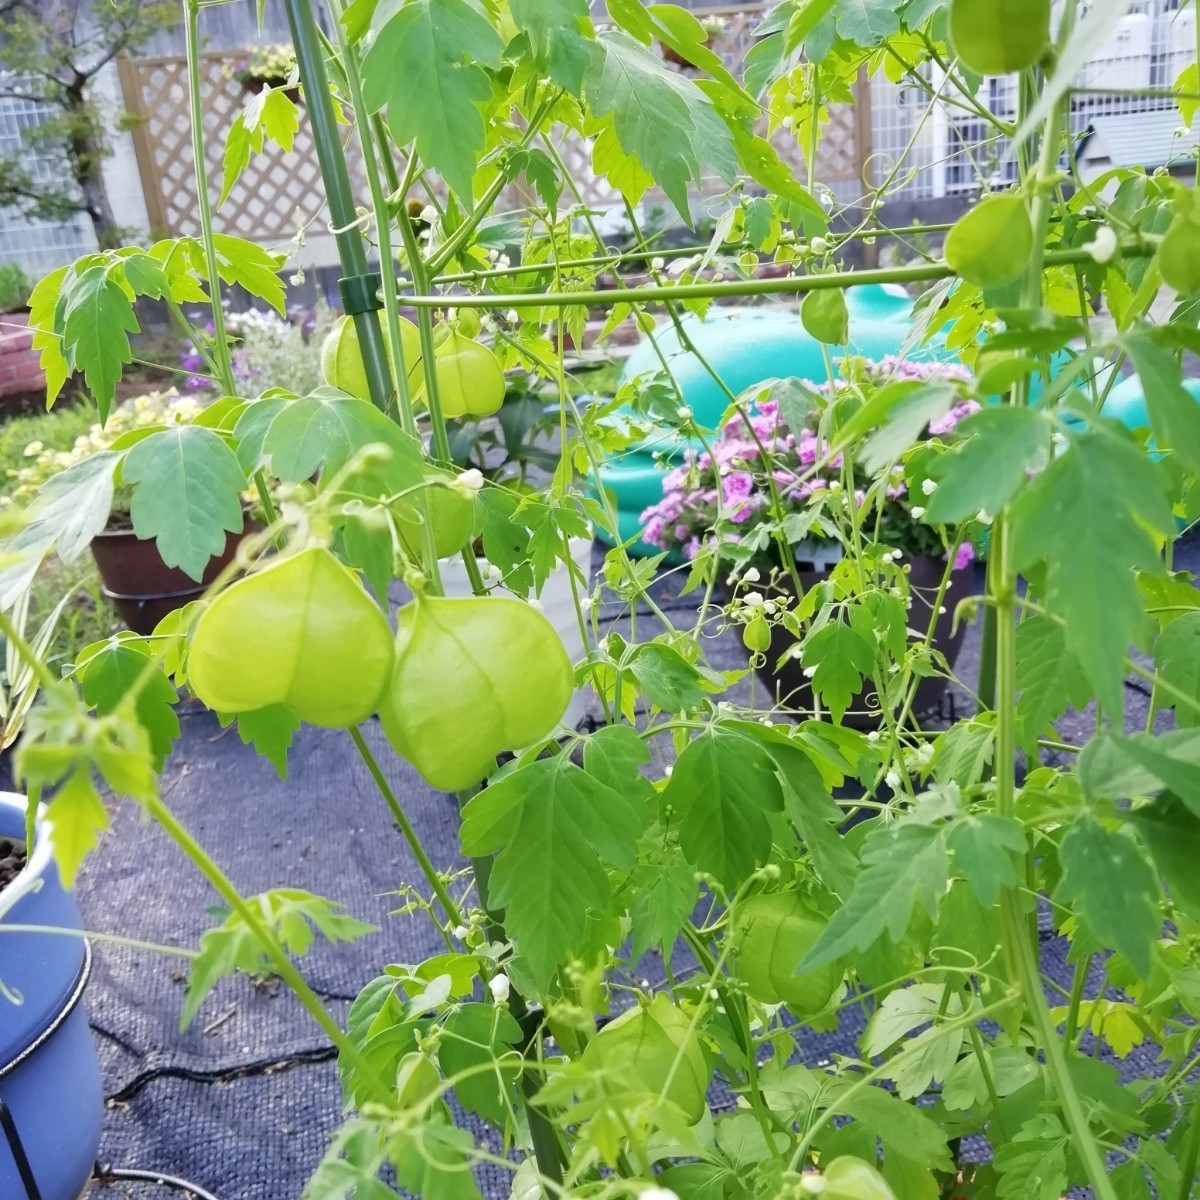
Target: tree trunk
(86,151)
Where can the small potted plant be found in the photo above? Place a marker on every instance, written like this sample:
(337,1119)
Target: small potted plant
(770,478)
(270,66)
(21,372)
(141,585)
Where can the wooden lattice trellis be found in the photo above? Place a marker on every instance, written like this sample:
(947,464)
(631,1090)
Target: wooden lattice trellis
(278,193)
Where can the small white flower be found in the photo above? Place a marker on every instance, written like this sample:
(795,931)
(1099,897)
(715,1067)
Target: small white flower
(1104,245)
(886,556)
(788,121)
(809,672)
(925,751)
(1182,130)
(429,214)
(941,610)
(492,574)
(819,245)
(928,486)
(493,254)
(684,413)
(826,199)
(897,555)
(752,599)
(836,486)
(512,317)
(585,605)
(658,264)
(873,736)
(668,769)
(718,276)
(33,449)
(658,1193)
(471,480)
(460,932)
(536,604)
(812,1185)
(751,575)
(499,986)
(892,779)
(917,511)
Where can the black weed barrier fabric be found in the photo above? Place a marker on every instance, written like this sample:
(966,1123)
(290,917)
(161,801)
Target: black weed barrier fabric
(243,1103)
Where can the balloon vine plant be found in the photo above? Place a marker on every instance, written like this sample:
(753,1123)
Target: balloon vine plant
(772,915)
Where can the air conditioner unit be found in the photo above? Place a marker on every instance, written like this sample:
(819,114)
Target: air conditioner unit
(1176,41)
(1125,59)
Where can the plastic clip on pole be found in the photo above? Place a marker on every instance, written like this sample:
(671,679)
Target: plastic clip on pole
(359,287)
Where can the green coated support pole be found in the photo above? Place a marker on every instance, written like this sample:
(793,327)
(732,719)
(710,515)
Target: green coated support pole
(359,286)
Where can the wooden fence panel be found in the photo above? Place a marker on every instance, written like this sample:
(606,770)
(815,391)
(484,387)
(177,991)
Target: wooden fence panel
(279,193)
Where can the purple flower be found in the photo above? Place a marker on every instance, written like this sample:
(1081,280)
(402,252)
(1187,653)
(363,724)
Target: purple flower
(965,556)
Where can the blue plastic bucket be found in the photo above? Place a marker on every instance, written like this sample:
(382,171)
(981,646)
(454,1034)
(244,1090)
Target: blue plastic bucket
(49,1074)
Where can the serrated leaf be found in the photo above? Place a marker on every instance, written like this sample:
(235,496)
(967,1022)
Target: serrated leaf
(1086,515)
(1172,834)
(323,431)
(428,67)
(984,846)
(986,470)
(666,679)
(660,118)
(1049,677)
(1174,413)
(71,508)
(433,1161)
(902,1126)
(247,265)
(722,787)
(962,754)
(1177,657)
(77,817)
(906,863)
(1033,1165)
(905,422)
(664,894)
(555,827)
(840,655)
(43,303)
(187,487)
(108,670)
(554,30)
(867,22)
(270,731)
(97,321)
(477,1036)
(1126,917)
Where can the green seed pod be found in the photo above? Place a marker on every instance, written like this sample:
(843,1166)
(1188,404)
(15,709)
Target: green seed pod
(473,677)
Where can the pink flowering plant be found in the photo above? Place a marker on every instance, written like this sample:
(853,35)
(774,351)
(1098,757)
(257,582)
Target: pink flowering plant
(774,474)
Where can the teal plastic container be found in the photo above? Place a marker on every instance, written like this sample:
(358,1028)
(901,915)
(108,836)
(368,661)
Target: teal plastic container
(744,346)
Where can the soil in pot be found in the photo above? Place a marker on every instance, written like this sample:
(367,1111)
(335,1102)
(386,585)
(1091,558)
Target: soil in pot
(12,861)
(141,586)
(788,681)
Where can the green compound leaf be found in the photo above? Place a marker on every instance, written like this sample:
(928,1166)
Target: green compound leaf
(559,46)
(1049,677)
(906,862)
(985,471)
(984,846)
(722,788)
(187,487)
(477,1036)
(97,319)
(106,672)
(433,1161)
(1033,1166)
(556,827)
(659,117)
(43,301)
(866,22)
(77,817)
(323,431)
(1095,861)
(270,731)
(1177,656)
(428,66)
(1174,413)
(1086,515)
(841,656)
(1172,834)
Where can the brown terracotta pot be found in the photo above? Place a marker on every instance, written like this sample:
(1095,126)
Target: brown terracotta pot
(795,690)
(141,586)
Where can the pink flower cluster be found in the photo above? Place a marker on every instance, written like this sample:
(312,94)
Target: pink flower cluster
(732,481)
